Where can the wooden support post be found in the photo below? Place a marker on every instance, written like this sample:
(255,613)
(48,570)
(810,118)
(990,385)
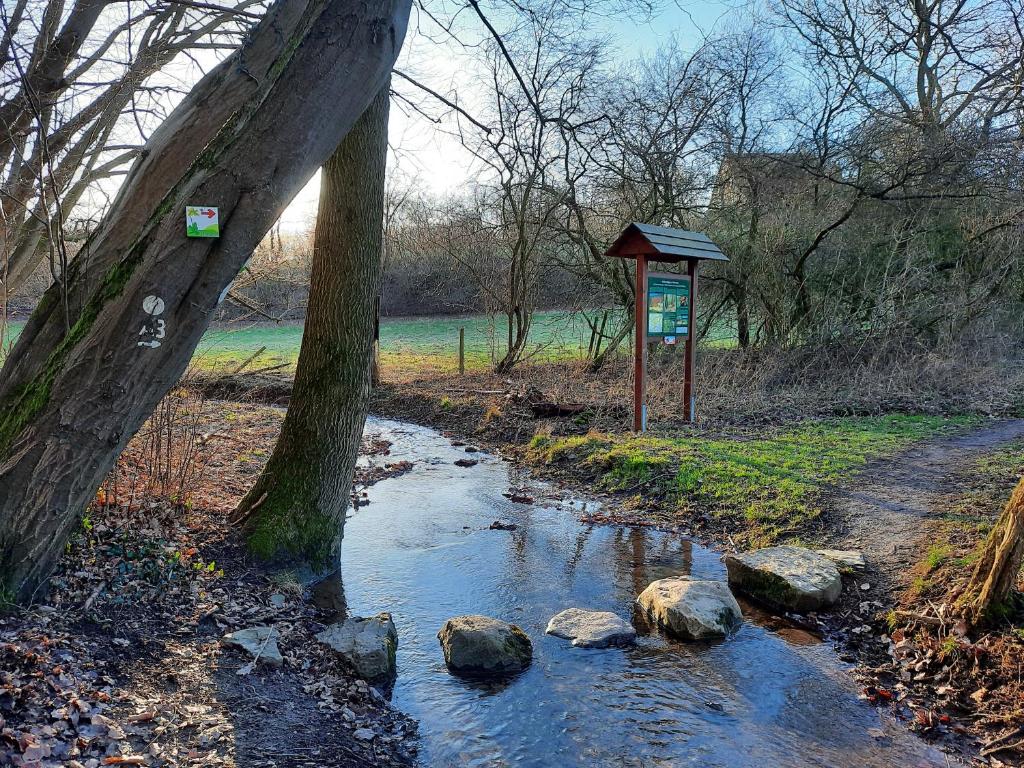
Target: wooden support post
(689,404)
(462,351)
(640,347)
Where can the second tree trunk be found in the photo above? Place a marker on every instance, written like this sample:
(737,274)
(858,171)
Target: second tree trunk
(296,510)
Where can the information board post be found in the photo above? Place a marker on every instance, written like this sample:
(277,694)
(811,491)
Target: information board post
(640,351)
(665,301)
(689,401)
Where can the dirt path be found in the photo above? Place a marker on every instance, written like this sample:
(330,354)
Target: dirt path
(886,511)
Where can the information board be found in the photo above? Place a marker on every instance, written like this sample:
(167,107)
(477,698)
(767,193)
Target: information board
(668,307)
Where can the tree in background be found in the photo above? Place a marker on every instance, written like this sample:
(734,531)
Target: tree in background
(538,93)
(296,509)
(100,351)
(77,91)
(645,162)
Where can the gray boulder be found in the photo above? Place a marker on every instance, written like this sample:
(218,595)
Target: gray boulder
(691,609)
(480,645)
(786,578)
(369,645)
(258,642)
(591,629)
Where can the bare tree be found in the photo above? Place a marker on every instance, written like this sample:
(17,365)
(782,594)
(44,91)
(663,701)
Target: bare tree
(77,93)
(644,162)
(538,88)
(296,509)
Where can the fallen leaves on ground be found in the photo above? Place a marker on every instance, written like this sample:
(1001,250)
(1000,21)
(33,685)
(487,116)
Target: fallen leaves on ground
(122,663)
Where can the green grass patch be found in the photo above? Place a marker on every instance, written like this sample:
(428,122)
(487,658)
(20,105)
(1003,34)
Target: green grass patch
(770,486)
(936,555)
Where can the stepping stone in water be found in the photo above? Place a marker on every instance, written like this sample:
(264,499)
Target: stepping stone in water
(691,609)
(591,629)
(484,647)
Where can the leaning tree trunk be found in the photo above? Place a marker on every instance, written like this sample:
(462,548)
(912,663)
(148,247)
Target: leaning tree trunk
(140,293)
(296,509)
(996,572)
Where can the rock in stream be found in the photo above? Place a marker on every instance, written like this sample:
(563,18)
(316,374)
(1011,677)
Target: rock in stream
(482,646)
(691,609)
(591,629)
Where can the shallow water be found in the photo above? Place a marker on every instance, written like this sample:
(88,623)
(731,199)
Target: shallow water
(422,550)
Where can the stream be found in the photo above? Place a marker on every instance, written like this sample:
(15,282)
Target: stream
(770,695)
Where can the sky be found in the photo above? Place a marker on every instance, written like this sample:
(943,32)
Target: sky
(426,152)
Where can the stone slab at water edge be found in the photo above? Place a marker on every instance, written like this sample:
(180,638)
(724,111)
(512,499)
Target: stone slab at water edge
(691,609)
(591,629)
(258,642)
(786,578)
(482,646)
(369,645)
(844,558)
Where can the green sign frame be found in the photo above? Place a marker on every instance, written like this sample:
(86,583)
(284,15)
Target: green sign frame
(669,308)
(202,221)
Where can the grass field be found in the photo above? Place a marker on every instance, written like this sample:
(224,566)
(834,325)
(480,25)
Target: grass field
(428,342)
(409,343)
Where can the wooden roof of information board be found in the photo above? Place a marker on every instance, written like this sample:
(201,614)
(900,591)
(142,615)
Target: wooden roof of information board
(664,244)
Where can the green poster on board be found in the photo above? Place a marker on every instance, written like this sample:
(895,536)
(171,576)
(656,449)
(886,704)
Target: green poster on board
(668,307)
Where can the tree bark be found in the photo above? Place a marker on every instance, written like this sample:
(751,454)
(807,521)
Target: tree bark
(77,386)
(996,572)
(742,314)
(296,509)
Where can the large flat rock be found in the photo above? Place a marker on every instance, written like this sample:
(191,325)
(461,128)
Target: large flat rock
(691,609)
(482,646)
(786,578)
(368,644)
(591,629)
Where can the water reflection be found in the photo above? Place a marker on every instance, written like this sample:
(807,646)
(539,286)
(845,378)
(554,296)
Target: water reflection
(771,695)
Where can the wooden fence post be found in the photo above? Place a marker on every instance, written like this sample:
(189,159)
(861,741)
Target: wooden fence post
(462,351)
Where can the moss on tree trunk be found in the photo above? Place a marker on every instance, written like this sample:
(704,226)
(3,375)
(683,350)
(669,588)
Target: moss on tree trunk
(296,509)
